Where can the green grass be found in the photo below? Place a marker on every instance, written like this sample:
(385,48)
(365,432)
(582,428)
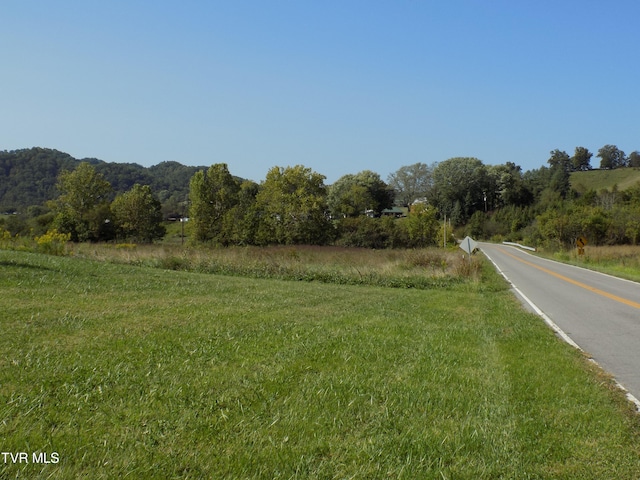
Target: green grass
(137,372)
(620,260)
(605,179)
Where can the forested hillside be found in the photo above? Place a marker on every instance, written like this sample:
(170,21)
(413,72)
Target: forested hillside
(28,177)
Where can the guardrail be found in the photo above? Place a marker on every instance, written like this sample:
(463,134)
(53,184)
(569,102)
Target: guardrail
(519,246)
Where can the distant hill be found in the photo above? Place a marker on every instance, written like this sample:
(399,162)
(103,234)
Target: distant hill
(28,177)
(605,179)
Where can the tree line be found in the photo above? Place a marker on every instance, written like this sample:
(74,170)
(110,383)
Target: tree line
(293,205)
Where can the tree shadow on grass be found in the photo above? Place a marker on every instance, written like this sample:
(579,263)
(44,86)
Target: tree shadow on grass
(10,263)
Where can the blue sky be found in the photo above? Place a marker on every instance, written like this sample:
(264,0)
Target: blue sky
(337,86)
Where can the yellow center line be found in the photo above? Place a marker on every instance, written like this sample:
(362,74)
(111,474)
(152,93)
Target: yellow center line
(611,296)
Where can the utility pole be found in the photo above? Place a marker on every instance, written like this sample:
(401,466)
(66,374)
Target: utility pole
(444,233)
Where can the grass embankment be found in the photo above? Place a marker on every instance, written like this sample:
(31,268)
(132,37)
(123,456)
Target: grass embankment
(146,373)
(621,260)
(598,180)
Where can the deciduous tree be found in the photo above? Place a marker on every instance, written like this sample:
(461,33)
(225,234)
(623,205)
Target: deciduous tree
(611,157)
(561,167)
(460,185)
(422,225)
(213,195)
(634,159)
(353,195)
(507,186)
(82,209)
(137,215)
(581,160)
(292,207)
(347,198)
(411,182)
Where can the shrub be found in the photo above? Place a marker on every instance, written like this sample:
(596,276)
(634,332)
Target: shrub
(6,239)
(426,258)
(52,242)
(366,232)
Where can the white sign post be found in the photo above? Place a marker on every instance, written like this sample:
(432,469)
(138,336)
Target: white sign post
(468,245)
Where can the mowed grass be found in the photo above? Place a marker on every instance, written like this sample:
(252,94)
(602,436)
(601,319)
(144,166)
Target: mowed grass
(136,372)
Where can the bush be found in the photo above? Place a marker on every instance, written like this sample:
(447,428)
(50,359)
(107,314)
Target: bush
(427,258)
(5,238)
(52,242)
(362,232)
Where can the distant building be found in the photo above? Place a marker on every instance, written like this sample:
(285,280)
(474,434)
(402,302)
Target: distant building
(396,212)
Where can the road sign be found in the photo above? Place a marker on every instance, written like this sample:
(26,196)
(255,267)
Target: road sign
(468,245)
(581,242)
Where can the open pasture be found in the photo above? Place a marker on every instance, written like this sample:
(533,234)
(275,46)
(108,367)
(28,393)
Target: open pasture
(134,372)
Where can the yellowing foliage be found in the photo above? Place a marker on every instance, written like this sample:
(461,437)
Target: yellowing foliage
(52,242)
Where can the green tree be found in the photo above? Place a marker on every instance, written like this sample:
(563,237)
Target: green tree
(536,181)
(558,228)
(561,160)
(213,195)
(631,224)
(137,215)
(595,224)
(459,187)
(246,214)
(560,166)
(422,225)
(611,157)
(581,160)
(382,194)
(353,195)
(411,182)
(82,209)
(507,186)
(347,198)
(476,225)
(292,207)
(634,159)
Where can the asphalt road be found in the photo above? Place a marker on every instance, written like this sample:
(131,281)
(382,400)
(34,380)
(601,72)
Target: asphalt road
(600,313)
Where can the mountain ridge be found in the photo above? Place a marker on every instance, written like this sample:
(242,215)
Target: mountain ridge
(28,177)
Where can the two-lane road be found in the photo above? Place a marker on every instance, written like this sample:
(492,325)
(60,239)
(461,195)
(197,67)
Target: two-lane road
(598,312)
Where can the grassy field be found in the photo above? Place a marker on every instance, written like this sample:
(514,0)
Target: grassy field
(421,268)
(124,371)
(605,179)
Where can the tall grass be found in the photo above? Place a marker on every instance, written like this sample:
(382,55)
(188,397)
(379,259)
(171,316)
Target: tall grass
(420,268)
(137,372)
(620,260)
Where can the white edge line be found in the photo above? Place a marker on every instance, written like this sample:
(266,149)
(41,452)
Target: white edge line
(559,331)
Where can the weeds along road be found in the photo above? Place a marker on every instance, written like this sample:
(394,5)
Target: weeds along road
(598,312)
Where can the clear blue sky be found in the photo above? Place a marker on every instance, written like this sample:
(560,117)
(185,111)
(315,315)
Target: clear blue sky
(339,86)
